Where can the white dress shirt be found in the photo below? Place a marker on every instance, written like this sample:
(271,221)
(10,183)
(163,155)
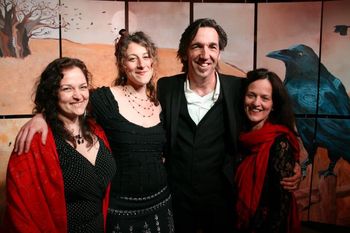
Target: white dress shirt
(198,105)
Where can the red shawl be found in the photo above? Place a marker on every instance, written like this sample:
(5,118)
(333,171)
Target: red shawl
(35,193)
(251,172)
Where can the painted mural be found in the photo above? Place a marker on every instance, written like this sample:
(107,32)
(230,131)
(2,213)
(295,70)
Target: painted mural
(306,43)
(306,48)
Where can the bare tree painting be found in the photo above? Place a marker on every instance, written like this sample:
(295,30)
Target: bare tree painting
(21,20)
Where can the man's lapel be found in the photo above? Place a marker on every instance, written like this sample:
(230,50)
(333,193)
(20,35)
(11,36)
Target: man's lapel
(177,93)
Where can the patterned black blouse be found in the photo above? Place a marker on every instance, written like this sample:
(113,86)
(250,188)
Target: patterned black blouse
(272,213)
(84,185)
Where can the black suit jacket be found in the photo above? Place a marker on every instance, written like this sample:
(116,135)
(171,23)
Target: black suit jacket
(169,89)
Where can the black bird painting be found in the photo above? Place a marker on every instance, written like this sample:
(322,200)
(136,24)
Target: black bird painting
(341,29)
(301,81)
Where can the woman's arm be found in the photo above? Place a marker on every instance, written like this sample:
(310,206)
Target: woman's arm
(28,130)
(281,165)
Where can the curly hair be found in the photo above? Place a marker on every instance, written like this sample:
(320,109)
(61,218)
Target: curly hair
(46,97)
(121,47)
(191,31)
(282,107)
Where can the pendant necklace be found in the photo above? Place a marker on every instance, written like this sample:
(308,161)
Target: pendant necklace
(79,139)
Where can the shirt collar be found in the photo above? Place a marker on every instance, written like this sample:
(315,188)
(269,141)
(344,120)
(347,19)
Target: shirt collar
(216,90)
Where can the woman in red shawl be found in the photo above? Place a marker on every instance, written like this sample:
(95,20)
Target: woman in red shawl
(269,151)
(62,186)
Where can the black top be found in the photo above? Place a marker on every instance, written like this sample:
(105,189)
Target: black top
(272,213)
(84,185)
(137,150)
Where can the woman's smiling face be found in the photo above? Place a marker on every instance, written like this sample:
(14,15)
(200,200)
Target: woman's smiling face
(73,93)
(258,102)
(138,65)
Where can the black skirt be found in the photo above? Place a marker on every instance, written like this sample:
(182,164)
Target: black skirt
(151,214)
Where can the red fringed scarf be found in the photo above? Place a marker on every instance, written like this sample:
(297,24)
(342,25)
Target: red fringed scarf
(251,172)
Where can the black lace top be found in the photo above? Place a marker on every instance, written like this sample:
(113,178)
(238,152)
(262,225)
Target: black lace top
(137,150)
(272,213)
(84,185)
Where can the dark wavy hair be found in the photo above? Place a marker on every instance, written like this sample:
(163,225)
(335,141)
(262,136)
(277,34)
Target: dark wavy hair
(46,97)
(282,113)
(191,31)
(120,54)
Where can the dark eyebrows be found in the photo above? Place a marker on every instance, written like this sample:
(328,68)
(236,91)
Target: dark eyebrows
(198,44)
(70,85)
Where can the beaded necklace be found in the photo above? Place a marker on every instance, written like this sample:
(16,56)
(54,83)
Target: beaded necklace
(138,104)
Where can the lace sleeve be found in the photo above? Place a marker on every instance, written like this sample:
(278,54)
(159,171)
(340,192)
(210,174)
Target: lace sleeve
(281,165)
(271,215)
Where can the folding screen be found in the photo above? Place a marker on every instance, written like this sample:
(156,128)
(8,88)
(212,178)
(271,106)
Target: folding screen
(293,38)
(89,29)
(333,119)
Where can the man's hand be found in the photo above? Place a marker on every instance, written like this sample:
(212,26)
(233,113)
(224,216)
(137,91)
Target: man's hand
(292,183)
(28,130)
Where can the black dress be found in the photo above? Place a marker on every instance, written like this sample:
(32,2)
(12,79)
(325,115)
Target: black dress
(84,186)
(139,200)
